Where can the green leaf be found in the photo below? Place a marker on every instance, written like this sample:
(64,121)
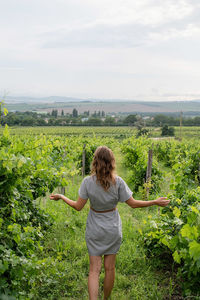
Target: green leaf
(5,111)
(189,232)
(6,133)
(173,242)
(165,241)
(1,222)
(21,161)
(3,266)
(194,250)
(194,209)
(178,221)
(176,212)
(177,257)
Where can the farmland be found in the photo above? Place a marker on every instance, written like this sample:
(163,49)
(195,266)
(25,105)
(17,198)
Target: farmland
(43,254)
(116,106)
(112,131)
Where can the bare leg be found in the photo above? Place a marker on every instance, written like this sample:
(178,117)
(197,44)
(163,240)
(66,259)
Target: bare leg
(109,265)
(93,279)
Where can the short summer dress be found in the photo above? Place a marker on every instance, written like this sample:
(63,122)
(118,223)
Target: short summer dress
(103,230)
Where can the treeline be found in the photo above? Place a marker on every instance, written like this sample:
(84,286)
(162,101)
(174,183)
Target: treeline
(99,118)
(160,120)
(53,119)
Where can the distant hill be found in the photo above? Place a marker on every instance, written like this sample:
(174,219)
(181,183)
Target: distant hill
(50,99)
(114,106)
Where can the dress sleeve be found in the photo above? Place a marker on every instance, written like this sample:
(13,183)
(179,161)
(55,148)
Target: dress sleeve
(124,192)
(83,190)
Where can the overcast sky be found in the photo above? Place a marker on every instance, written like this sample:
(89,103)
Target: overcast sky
(130,49)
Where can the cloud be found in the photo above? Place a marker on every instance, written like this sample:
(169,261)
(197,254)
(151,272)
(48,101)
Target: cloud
(151,13)
(11,69)
(109,48)
(128,23)
(98,36)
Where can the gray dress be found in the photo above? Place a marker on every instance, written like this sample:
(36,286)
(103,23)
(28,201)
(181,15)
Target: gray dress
(103,230)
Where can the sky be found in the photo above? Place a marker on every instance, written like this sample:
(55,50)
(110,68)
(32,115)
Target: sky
(106,49)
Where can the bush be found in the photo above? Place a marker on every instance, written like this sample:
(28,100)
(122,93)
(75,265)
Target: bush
(167,131)
(175,235)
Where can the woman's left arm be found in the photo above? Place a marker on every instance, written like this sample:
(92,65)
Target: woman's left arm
(161,201)
(77,205)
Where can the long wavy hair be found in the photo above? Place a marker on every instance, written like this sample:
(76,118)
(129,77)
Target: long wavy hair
(103,166)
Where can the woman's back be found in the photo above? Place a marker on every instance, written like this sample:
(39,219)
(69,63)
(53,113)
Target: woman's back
(100,199)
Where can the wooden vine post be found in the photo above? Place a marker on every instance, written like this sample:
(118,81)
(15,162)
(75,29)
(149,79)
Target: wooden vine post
(83,161)
(198,172)
(181,121)
(148,172)
(62,190)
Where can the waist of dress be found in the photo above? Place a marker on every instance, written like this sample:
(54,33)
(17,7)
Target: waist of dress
(103,211)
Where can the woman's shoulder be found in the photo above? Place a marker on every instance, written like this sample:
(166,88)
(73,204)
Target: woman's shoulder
(92,179)
(89,178)
(118,179)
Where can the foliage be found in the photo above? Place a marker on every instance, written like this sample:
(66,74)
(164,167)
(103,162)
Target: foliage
(36,256)
(184,159)
(3,111)
(142,131)
(75,113)
(30,167)
(136,158)
(167,131)
(175,235)
(130,119)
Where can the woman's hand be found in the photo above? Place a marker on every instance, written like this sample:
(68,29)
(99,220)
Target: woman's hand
(78,205)
(55,197)
(162,201)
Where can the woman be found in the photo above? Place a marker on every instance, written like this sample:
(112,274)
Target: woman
(103,234)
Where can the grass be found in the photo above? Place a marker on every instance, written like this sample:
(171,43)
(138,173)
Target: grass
(64,273)
(68,265)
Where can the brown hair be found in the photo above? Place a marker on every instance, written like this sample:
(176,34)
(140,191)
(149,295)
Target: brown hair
(103,166)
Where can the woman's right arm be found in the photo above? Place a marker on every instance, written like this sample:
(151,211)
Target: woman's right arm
(161,201)
(77,205)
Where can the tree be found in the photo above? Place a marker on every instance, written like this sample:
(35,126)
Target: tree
(167,131)
(41,122)
(54,113)
(51,122)
(62,113)
(142,131)
(160,120)
(164,130)
(94,114)
(109,121)
(94,122)
(75,113)
(28,121)
(130,119)
(171,131)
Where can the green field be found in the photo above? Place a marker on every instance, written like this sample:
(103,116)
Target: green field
(112,131)
(75,131)
(43,253)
